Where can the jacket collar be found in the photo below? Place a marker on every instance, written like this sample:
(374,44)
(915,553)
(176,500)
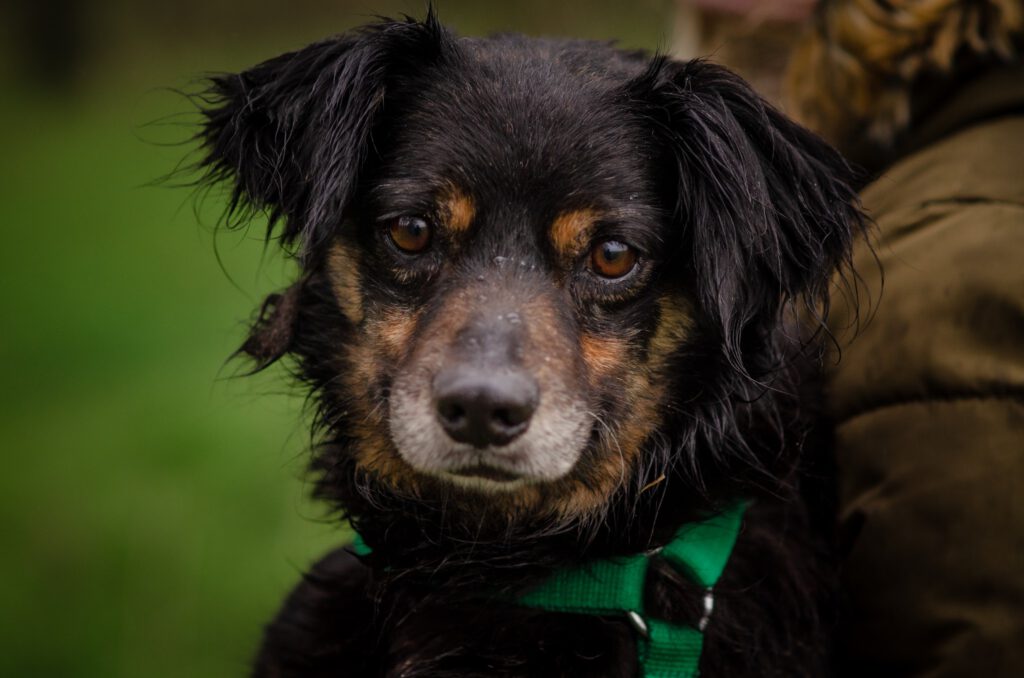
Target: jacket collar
(945,107)
(994,93)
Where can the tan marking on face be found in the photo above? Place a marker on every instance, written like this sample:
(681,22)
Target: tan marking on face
(439,333)
(675,322)
(644,387)
(374,452)
(376,456)
(571,230)
(644,396)
(360,369)
(618,449)
(644,391)
(458,210)
(551,354)
(604,356)
(343,269)
(393,332)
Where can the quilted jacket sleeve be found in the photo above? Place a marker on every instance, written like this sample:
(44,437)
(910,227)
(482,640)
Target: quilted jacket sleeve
(929,405)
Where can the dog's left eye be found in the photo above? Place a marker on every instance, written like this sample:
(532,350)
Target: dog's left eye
(612,259)
(410,234)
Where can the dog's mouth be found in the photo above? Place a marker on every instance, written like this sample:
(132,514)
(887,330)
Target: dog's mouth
(482,477)
(490,473)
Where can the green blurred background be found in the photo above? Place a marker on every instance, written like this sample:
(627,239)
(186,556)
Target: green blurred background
(152,506)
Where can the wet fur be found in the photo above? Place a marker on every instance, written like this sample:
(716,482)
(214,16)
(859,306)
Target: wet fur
(753,214)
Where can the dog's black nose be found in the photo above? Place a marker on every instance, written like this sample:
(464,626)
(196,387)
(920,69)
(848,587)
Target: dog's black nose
(484,408)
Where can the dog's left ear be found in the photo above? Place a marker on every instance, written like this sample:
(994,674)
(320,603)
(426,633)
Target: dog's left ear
(767,210)
(291,134)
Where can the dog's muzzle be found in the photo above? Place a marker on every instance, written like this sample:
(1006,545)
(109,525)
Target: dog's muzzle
(484,405)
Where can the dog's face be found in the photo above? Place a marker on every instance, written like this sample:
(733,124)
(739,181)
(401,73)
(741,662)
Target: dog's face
(504,276)
(527,264)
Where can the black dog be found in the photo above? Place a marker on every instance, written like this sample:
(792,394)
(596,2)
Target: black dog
(543,312)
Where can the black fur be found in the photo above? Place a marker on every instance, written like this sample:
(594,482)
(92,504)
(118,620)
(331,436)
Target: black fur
(747,212)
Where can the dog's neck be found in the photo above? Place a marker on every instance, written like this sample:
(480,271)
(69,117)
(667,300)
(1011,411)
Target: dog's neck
(421,545)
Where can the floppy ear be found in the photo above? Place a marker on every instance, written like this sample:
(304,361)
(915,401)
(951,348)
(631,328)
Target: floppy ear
(273,329)
(768,209)
(291,134)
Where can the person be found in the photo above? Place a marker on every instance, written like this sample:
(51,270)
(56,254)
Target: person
(928,398)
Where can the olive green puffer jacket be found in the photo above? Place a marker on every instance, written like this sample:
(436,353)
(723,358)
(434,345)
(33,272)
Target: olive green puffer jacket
(929,402)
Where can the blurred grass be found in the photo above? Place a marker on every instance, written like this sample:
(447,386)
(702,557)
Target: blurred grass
(152,507)
(151,500)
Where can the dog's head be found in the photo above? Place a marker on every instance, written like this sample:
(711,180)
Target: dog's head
(537,275)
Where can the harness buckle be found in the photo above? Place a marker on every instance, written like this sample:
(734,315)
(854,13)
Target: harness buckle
(709,607)
(638,623)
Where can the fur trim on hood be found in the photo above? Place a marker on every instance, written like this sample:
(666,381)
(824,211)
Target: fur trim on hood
(855,76)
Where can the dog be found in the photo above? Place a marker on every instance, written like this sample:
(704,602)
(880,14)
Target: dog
(549,310)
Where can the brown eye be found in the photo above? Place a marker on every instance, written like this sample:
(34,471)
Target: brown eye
(612,259)
(410,234)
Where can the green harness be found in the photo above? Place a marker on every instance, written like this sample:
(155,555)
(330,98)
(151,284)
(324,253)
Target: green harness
(616,587)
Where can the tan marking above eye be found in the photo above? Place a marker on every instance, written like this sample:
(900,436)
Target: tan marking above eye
(458,210)
(571,230)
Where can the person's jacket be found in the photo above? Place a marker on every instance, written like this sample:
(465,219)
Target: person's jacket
(928,401)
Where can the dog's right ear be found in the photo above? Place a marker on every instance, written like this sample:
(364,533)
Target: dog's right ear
(291,134)
(273,330)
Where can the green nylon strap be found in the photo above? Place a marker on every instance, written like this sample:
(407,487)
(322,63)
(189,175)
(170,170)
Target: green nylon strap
(702,549)
(616,587)
(359,546)
(604,587)
(670,651)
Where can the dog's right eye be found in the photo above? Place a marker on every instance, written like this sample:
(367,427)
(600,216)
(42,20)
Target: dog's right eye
(410,234)
(613,259)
